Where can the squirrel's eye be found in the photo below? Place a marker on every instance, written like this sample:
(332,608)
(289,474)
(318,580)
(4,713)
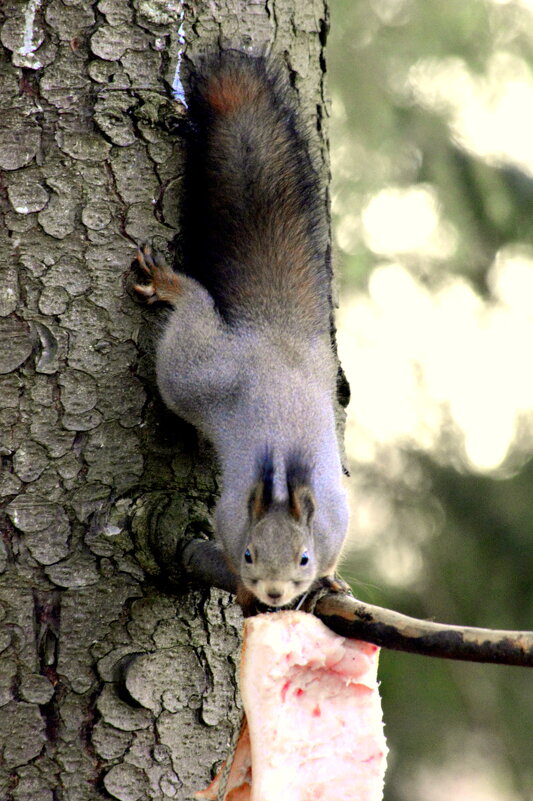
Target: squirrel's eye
(304,558)
(248,556)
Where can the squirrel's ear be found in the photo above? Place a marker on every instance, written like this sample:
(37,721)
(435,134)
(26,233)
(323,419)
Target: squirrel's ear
(301,503)
(257,502)
(261,495)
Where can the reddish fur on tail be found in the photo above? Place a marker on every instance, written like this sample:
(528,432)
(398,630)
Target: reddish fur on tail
(255,227)
(226,93)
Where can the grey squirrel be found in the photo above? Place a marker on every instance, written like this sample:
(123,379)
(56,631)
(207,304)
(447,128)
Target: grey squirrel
(246,353)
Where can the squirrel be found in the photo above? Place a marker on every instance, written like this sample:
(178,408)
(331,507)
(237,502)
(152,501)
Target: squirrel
(246,353)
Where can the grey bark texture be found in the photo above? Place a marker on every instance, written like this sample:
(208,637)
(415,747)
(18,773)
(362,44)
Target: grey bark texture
(112,682)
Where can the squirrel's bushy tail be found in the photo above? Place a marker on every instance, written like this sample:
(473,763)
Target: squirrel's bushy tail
(255,216)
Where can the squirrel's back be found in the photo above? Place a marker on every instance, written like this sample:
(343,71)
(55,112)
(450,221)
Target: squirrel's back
(255,214)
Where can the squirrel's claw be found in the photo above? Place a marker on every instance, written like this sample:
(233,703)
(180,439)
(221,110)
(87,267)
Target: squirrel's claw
(147,290)
(145,259)
(335,584)
(164,285)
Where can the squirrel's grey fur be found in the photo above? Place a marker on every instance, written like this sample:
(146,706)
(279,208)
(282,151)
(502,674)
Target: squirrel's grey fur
(246,353)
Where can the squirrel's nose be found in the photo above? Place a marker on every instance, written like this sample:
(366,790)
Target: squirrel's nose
(274,595)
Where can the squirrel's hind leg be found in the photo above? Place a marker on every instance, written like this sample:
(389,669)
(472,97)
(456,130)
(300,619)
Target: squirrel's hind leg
(164,284)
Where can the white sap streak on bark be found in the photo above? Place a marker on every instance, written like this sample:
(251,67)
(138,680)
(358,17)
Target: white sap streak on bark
(29,19)
(177,87)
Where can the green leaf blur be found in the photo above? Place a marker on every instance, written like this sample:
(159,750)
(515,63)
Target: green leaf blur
(432,200)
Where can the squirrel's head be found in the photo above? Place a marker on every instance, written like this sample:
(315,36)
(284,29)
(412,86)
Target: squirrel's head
(278,560)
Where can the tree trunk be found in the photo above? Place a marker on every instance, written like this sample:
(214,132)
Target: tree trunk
(112,682)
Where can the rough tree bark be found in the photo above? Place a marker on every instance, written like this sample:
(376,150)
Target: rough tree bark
(111,683)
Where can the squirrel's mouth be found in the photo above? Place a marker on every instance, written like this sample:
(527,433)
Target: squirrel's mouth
(276,595)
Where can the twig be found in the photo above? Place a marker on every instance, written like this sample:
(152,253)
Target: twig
(351,618)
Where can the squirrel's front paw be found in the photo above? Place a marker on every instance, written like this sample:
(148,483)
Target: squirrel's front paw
(335,584)
(164,284)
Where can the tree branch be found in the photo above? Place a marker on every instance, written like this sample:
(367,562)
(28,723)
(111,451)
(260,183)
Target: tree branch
(347,616)
(351,618)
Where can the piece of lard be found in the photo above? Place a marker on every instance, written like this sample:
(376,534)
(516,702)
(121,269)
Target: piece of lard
(315,730)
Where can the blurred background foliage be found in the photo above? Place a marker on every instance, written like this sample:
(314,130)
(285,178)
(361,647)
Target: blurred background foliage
(432,197)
